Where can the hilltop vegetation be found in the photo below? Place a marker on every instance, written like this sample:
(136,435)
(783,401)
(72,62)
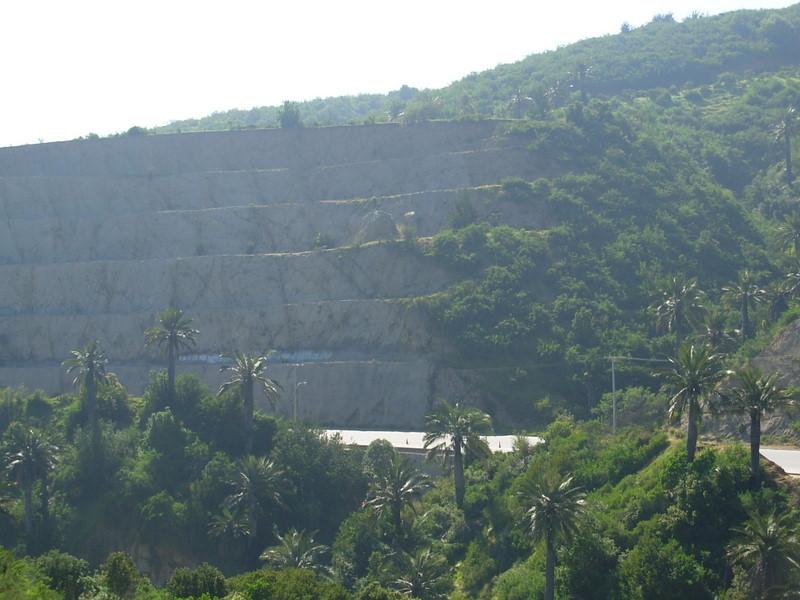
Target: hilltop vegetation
(660,54)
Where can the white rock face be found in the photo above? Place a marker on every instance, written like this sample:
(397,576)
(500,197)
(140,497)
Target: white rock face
(248,233)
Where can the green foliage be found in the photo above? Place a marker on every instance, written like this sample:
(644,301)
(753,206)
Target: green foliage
(120,575)
(655,570)
(63,573)
(20,580)
(289,584)
(204,580)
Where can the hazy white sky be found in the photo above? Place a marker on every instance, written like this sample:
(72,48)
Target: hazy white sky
(74,67)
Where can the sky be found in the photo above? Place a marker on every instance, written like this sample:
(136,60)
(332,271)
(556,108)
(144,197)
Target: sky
(70,68)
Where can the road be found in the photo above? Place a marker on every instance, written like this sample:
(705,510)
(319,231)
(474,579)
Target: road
(413,440)
(786,458)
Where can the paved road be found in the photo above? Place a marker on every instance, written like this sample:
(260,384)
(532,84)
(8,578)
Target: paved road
(412,440)
(787,459)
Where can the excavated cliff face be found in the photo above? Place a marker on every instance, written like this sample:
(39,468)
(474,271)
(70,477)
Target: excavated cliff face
(257,235)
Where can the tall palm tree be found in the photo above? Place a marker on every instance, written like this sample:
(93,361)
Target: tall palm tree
(553,507)
(247,372)
(783,133)
(31,458)
(745,294)
(296,549)
(257,484)
(756,394)
(390,492)
(424,576)
(89,366)
(174,333)
(694,375)
(767,545)
(680,307)
(455,431)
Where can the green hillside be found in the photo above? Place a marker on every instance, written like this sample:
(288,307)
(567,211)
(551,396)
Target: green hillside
(662,53)
(671,222)
(666,135)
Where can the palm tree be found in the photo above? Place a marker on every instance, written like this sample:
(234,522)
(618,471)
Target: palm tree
(390,492)
(228,525)
(756,394)
(295,549)
(257,484)
(457,430)
(744,294)
(767,546)
(248,371)
(89,366)
(694,375)
(789,233)
(783,133)
(174,333)
(31,458)
(680,308)
(425,576)
(714,332)
(554,506)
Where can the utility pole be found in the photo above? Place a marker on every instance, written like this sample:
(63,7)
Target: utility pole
(613,360)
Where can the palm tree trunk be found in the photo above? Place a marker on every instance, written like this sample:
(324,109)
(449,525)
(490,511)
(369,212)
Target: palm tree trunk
(745,319)
(458,475)
(755,443)
(397,520)
(172,356)
(44,497)
(248,416)
(550,570)
(691,430)
(91,412)
(27,499)
(788,151)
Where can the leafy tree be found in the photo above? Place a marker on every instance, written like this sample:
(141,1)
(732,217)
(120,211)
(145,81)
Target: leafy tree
(553,507)
(64,573)
(755,394)
(89,366)
(289,115)
(204,582)
(680,308)
(767,545)
(658,570)
(424,576)
(391,491)
(694,375)
(120,575)
(295,549)
(258,484)
(455,431)
(174,333)
(745,294)
(247,372)
(30,459)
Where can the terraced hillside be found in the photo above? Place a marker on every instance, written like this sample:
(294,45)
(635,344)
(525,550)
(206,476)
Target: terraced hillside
(285,239)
